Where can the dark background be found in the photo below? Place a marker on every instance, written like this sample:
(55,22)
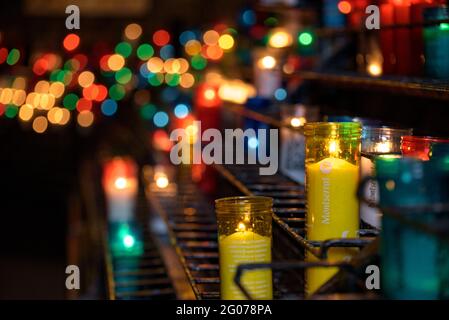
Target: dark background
(39,173)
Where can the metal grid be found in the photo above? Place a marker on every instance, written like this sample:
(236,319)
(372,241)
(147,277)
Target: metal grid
(193,231)
(140,277)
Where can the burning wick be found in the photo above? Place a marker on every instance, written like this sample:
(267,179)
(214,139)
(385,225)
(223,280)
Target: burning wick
(120,183)
(241,227)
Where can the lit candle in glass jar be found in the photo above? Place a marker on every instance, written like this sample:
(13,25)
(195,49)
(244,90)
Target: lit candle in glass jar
(244,236)
(376,141)
(120,187)
(332,175)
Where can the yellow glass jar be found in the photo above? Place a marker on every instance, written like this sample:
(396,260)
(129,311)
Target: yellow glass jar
(244,236)
(332,176)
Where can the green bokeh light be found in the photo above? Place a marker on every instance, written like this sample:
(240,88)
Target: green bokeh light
(305,38)
(198,62)
(156,79)
(124,49)
(145,51)
(11,111)
(117,92)
(123,76)
(444,26)
(13,57)
(147,111)
(70,101)
(172,79)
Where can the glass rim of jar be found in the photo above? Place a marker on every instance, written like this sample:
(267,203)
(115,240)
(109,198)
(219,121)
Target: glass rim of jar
(424,139)
(333,129)
(233,205)
(368,131)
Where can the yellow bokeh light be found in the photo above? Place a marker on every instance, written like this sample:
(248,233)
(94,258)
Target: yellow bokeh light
(280,38)
(42,86)
(267,62)
(193,47)
(65,116)
(6,95)
(19,97)
(55,115)
(226,42)
(47,101)
(85,118)
(19,83)
(57,89)
(171,66)
(236,91)
(40,124)
(183,65)
(33,99)
(211,37)
(187,80)
(133,31)
(26,112)
(155,65)
(116,62)
(86,78)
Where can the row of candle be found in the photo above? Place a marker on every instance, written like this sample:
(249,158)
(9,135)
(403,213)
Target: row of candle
(416,45)
(333,166)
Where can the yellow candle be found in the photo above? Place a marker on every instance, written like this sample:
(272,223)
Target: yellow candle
(332,211)
(239,248)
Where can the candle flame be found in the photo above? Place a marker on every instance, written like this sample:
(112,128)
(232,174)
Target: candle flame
(383,147)
(120,183)
(209,94)
(161,180)
(241,227)
(297,122)
(333,148)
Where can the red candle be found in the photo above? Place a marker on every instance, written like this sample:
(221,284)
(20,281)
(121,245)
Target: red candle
(207,106)
(387,38)
(357,15)
(402,37)
(419,147)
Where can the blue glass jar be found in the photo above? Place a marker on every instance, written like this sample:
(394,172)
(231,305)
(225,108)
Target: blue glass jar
(439,150)
(414,262)
(436,43)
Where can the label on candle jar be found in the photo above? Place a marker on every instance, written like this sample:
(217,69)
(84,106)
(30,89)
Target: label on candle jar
(293,155)
(332,205)
(332,212)
(239,248)
(368,212)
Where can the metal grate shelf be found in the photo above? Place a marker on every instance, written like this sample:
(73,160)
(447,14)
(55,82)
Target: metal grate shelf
(138,277)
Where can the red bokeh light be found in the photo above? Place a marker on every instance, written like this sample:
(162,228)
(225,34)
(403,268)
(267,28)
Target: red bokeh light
(3,55)
(83,105)
(161,38)
(345,7)
(71,42)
